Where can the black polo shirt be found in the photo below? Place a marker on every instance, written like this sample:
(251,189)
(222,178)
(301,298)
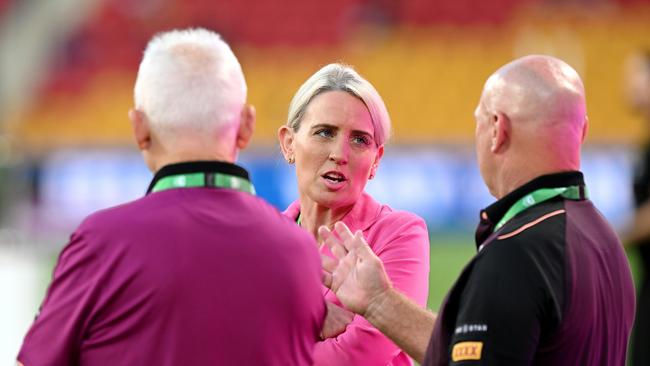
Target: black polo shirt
(640,349)
(550,286)
(641,188)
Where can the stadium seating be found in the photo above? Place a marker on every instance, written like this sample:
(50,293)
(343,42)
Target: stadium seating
(427,58)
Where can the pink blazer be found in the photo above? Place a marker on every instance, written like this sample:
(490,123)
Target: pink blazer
(400,239)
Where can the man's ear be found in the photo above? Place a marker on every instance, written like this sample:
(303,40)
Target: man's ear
(141,130)
(286,138)
(246,126)
(585,128)
(501,132)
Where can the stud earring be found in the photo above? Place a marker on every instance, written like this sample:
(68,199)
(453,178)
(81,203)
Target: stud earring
(291,160)
(372,172)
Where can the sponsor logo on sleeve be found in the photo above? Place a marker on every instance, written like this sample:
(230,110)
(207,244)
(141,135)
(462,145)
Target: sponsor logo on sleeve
(471,328)
(464,351)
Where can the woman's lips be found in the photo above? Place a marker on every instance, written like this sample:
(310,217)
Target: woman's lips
(334,180)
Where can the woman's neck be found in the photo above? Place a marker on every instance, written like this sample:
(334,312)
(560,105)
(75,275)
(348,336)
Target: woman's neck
(314,215)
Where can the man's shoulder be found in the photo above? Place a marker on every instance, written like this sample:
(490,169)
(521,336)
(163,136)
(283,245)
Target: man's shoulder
(541,223)
(536,236)
(239,211)
(147,208)
(114,214)
(267,222)
(526,257)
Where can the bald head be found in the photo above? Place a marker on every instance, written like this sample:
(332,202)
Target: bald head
(535,108)
(540,90)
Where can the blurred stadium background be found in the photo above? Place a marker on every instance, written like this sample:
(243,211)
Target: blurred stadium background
(67,69)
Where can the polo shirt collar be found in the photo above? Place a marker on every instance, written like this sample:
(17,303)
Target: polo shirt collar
(198,167)
(362,215)
(491,215)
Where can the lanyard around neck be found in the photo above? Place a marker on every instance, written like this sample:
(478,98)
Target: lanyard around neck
(539,196)
(214,180)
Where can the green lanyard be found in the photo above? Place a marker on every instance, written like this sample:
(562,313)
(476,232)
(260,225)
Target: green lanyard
(218,180)
(539,196)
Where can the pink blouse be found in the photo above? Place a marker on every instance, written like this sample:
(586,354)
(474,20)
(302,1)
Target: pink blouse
(400,239)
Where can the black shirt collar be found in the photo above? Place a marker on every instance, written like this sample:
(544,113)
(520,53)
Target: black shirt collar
(198,167)
(494,212)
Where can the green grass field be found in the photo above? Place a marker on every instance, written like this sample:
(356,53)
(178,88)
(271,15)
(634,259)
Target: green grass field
(448,256)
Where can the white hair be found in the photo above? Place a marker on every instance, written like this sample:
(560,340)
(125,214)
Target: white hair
(189,79)
(338,77)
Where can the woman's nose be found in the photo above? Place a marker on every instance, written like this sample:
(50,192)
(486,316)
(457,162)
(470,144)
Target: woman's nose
(339,153)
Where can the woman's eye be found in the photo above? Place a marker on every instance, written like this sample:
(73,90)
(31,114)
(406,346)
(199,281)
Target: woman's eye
(324,132)
(361,140)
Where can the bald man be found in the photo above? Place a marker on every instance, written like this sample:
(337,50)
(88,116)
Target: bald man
(550,283)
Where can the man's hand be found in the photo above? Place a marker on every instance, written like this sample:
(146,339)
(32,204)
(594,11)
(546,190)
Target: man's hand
(356,276)
(336,321)
(359,280)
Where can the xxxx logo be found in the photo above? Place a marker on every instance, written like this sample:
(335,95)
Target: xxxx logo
(463,351)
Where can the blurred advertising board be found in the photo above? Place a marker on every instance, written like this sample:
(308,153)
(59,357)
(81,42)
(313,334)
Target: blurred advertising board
(440,183)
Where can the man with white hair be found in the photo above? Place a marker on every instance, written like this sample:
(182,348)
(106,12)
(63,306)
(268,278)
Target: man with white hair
(550,283)
(199,271)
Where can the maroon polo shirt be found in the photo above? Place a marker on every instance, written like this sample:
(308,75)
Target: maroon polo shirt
(184,276)
(552,286)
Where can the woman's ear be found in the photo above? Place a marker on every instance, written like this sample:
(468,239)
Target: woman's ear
(286,139)
(375,164)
